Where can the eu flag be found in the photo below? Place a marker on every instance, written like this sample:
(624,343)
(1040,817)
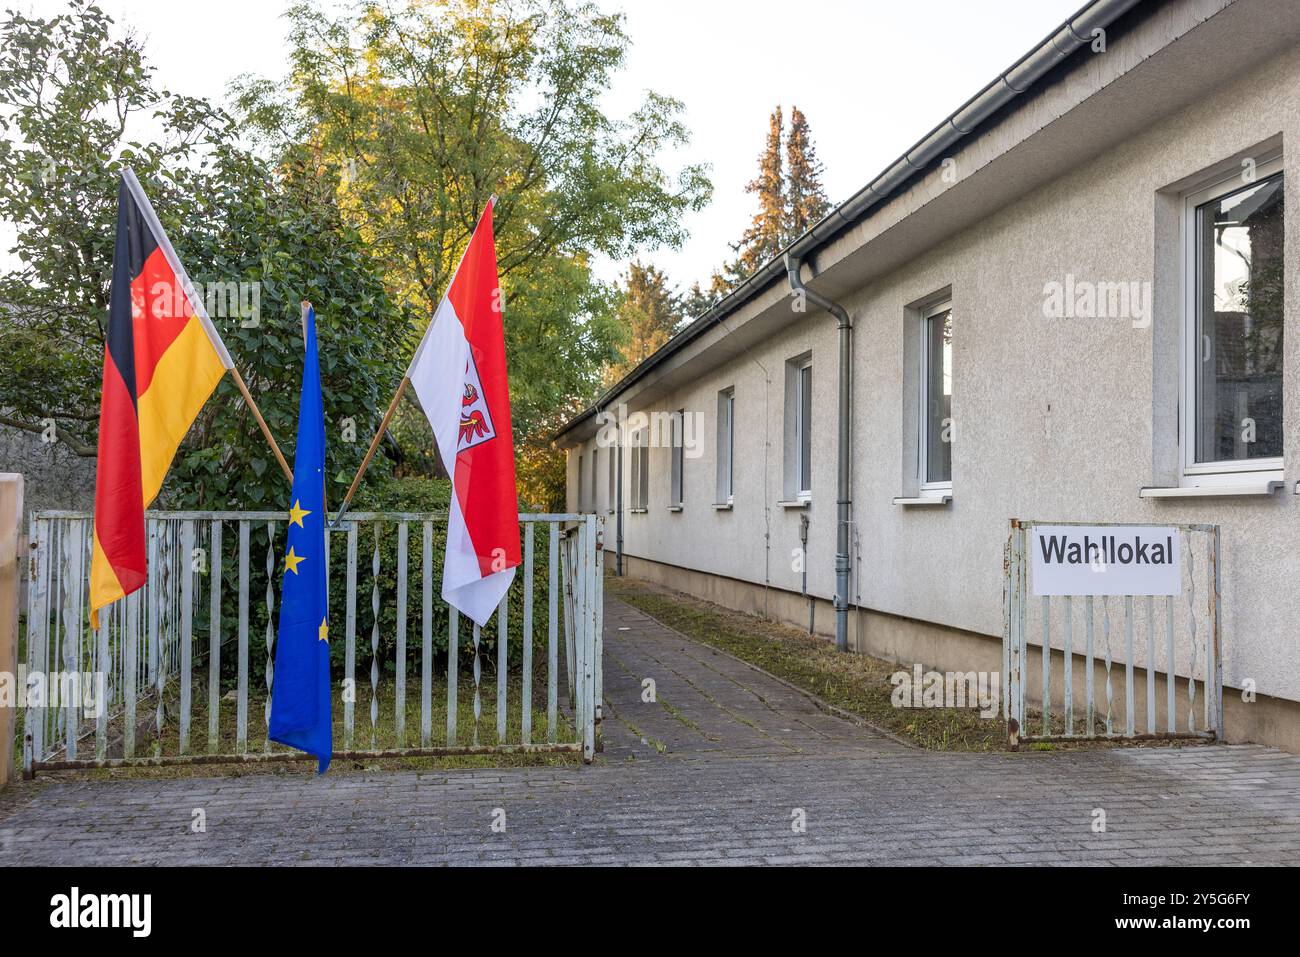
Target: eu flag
(300,695)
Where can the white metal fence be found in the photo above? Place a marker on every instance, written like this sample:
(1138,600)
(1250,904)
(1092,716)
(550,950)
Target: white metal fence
(181,671)
(1088,638)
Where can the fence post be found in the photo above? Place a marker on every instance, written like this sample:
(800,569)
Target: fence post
(11,520)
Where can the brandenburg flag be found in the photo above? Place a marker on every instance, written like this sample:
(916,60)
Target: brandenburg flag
(459,376)
(162,359)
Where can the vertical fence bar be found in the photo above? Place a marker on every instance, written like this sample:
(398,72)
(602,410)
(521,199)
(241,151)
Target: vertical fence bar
(453,672)
(130,672)
(567,563)
(1023,571)
(1089,665)
(598,631)
(1014,609)
(103,671)
(1047,665)
(269,670)
(38,624)
(552,629)
(72,629)
(399,680)
(426,638)
(1129,722)
(1151,665)
(153,591)
(241,710)
(1216,582)
(1067,678)
(1171,710)
(187,632)
(1006,629)
(214,637)
(374,641)
(350,641)
(526,690)
(503,660)
(478,674)
(1191,628)
(1110,696)
(589,646)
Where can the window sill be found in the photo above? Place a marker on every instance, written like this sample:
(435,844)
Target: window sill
(797,503)
(1259,487)
(674,508)
(722,506)
(638,511)
(940,499)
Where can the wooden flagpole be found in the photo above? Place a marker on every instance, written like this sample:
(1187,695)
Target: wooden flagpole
(266,430)
(374,445)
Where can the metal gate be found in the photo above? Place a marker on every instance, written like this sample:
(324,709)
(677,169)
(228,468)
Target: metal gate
(1173,639)
(181,671)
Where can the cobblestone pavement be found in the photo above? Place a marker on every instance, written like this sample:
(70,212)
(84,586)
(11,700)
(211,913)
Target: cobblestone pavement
(716,771)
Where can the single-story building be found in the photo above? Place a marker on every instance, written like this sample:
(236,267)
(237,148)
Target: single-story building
(1067,303)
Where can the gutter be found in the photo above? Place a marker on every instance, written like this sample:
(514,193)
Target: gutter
(1064,41)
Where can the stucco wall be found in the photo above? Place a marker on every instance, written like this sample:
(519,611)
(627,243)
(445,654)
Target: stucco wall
(1056,419)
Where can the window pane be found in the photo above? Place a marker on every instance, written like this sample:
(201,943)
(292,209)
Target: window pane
(731,442)
(805,430)
(1239,325)
(938,426)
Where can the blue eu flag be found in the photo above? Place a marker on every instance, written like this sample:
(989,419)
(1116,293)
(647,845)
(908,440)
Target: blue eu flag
(300,696)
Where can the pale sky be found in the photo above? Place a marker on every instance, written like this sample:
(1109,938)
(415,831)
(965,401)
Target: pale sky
(872,76)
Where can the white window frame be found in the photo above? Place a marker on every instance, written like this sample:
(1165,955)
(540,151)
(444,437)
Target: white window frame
(677,469)
(1194,474)
(802,421)
(577,503)
(595,478)
(726,427)
(923,433)
(613,478)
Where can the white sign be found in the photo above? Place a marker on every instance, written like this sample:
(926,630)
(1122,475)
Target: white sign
(1105,560)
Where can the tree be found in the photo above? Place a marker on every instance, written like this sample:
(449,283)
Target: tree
(805,199)
(413,114)
(766,233)
(71,88)
(650,312)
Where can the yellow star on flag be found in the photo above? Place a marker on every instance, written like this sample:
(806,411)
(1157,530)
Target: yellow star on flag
(297,514)
(323,634)
(292,560)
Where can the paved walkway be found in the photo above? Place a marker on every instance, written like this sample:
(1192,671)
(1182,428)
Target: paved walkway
(721,769)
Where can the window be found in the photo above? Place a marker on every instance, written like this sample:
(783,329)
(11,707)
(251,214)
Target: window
(1232,327)
(726,445)
(613,478)
(678,462)
(797,465)
(640,470)
(577,505)
(595,479)
(936,397)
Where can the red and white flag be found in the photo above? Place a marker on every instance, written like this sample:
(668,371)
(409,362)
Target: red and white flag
(459,375)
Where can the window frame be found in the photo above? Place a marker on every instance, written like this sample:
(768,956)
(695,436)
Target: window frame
(1229,472)
(936,308)
(802,422)
(726,478)
(677,452)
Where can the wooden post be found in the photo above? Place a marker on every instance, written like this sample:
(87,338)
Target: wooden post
(374,444)
(266,429)
(11,525)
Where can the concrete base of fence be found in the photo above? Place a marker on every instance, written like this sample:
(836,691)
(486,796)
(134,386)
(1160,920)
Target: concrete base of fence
(1265,720)
(11,552)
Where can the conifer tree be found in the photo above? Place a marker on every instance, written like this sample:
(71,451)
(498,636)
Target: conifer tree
(805,199)
(766,233)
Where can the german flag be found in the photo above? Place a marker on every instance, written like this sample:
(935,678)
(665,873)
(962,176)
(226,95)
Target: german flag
(162,360)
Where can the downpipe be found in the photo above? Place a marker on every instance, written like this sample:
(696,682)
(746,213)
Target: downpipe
(843,494)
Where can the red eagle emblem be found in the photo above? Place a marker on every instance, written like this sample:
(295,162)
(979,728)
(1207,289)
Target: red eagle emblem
(472,423)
